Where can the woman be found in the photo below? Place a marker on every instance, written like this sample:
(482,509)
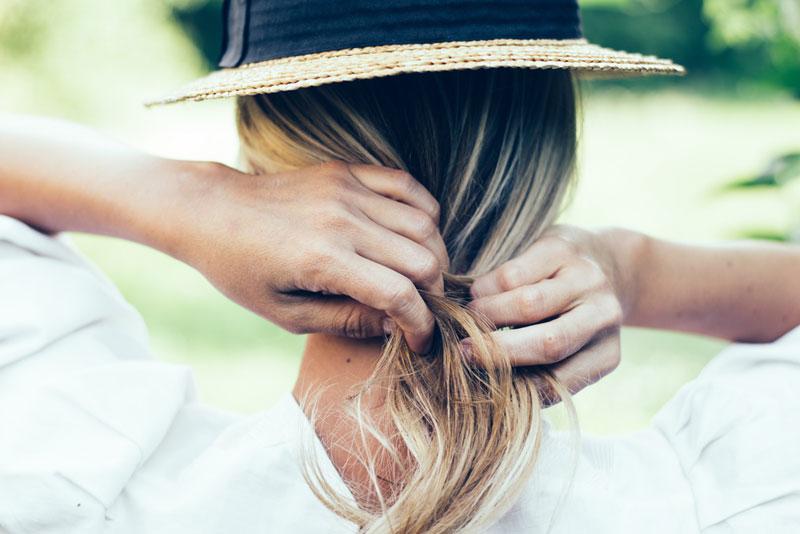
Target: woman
(448,439)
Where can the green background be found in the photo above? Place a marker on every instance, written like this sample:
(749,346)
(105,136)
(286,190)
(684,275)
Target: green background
(655,156)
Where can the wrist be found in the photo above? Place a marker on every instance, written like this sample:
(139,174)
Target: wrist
(177,208)
(629,251)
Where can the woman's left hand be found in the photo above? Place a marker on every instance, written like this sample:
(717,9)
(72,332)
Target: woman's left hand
(565,295)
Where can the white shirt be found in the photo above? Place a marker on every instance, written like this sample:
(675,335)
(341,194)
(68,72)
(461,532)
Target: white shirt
(98,437)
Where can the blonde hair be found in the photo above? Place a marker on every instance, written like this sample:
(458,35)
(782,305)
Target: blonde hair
(496,147)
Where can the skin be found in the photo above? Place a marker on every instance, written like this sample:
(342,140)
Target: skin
(568,295)
(574,289)
(355,241)
(331,370)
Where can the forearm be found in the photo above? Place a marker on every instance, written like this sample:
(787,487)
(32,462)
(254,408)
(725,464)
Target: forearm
(63,177)
(743,291)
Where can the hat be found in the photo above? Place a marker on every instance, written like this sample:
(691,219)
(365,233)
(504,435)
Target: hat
(281,45)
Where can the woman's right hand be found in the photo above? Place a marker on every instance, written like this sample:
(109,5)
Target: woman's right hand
(336,248)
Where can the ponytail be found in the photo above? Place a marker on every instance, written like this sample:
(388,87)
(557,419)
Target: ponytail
(465,430)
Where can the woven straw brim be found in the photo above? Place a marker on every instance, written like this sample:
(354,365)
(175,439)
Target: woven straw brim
(287,74)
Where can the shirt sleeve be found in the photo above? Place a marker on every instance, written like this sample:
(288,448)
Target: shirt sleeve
(82,403)
(736,432)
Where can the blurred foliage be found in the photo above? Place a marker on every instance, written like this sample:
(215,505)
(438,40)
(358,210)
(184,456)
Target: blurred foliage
(201,19)
(85,59)
(666,28)
(750,42)
(780,174)
(767,29)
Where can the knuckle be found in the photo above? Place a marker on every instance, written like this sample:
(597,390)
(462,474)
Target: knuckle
(597,273)
(530,301)
(400,297)
(592,273)
(328,192)
(318,264)
(588,265)
(609,311)
(605,286)
(564,245)
(336,167)
(420,328)
(337,218)
(436,210)
(406,182)
(553,344)
(509,276)
(423,226)
(614,311)
(427,268)
(338,179)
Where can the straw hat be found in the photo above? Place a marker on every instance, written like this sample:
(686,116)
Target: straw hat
(281,45)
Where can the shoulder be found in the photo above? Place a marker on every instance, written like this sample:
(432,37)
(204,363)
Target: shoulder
(52,295)
(736,432)
(83,404)
(745,377)
(242,475)
(71,443)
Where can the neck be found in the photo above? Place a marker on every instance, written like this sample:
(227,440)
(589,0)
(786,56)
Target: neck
(331,372)
(333,365)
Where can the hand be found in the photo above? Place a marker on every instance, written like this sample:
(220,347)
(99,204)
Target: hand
(566,296)
(335,248)
(362,236)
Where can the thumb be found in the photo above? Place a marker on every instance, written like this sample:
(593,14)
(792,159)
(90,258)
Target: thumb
(337,315)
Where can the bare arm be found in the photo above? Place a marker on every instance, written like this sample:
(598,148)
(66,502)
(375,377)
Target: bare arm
(59,176)
(334,248)
(571,291)
(744,291)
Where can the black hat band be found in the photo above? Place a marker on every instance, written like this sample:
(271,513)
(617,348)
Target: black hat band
(260,30)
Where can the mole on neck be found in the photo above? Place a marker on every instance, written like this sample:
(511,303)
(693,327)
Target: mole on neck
(332,371)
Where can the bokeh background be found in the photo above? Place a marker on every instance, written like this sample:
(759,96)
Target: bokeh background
(706,157)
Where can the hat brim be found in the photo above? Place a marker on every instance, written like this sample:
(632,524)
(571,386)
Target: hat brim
(287,74)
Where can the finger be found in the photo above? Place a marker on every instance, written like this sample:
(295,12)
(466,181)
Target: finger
(402,255)
(382,289)
(599,358)
(543,259)
(331,314)
(530,304)
(407,221)
(398,185)
(551,342)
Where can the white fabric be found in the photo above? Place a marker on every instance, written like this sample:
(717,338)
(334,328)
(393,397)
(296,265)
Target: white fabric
(97,437)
